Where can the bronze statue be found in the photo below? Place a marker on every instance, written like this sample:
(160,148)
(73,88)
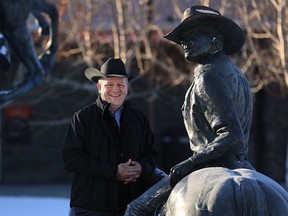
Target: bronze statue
(13,26)
(217,113)
(218,106)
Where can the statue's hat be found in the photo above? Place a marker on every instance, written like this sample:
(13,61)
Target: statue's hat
(202,16)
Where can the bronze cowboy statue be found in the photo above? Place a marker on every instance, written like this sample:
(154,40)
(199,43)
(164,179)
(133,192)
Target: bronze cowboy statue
(218,178)
(14,30)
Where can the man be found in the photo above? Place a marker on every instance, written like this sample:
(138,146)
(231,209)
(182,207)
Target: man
(217,110)
(109,147)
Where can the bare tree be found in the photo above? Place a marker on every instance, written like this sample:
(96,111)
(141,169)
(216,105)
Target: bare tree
(266,23)
(93,30)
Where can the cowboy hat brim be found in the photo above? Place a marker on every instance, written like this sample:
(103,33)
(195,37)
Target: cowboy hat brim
(233,35)
(94,75)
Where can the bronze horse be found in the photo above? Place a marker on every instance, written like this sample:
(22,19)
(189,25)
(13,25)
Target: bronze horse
(13,26)
(220,191)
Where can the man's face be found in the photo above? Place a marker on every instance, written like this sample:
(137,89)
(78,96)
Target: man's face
(113,90)
(196,43)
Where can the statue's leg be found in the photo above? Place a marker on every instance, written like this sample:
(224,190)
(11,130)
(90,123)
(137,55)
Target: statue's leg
(47,58)
(147,203)
(161,210)
(22,44)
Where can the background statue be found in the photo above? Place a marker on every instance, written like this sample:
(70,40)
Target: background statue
(4,54)
(13,26)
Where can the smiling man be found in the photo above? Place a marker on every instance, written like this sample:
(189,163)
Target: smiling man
(109,147)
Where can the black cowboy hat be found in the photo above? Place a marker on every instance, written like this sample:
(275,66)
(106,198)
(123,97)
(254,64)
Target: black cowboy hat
(111,68)
(207,17)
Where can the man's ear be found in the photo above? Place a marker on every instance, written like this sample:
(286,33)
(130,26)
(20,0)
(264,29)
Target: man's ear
(98,86)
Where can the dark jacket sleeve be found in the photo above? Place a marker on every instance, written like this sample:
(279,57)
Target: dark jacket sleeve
(151,156)
(75,152)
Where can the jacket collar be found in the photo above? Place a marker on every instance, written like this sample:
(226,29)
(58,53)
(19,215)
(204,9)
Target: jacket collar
(104,105)
(207,63)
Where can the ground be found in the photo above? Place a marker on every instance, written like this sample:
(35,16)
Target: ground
(34,200)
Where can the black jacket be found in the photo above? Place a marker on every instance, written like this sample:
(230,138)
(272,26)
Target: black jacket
(93,148)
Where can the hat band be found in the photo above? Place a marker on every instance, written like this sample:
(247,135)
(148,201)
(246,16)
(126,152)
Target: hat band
(114,75)
(207,11)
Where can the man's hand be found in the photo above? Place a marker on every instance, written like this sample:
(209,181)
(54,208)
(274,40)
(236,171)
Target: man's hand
(179,171)
(129,171)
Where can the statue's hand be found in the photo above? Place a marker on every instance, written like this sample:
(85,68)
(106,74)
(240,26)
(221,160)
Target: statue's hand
(179,171)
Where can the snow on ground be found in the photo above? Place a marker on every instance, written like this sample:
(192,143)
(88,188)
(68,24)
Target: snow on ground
(33,206)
